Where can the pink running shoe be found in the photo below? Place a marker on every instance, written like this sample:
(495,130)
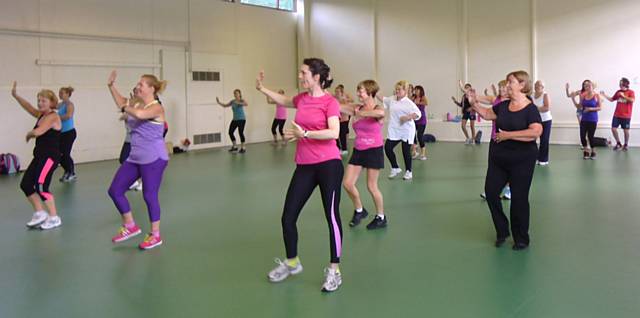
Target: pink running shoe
(125,234)
(150,241)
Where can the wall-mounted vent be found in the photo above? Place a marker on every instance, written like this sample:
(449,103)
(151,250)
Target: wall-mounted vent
(206,138)
(206,76)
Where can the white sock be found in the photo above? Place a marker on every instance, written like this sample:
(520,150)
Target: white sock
(359,210)
(381,216)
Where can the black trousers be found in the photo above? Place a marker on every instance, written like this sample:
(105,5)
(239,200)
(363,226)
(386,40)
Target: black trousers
(513,166)
(237,124)
(420,134)
(389,145)
(37,177)
(327,175)
(66,144)
(587,132)
(543,153)
(342,138)
(278,123)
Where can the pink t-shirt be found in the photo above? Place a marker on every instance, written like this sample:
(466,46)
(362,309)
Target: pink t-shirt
(281,112)
(368,133)
(312,114)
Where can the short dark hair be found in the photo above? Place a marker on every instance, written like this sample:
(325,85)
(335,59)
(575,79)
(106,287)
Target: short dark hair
(625,82)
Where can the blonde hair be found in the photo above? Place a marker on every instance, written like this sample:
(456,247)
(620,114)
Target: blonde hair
(502,83)
(51,96)
(157,84)
(69,90)
(523,78)
(403,84)
(370,86)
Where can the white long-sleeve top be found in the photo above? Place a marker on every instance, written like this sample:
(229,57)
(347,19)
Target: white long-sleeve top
(396,130)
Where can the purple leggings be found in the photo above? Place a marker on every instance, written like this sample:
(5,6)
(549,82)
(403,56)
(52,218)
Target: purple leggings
(151,175)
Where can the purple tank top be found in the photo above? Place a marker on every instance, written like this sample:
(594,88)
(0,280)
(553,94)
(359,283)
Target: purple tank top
(423,115)
(147,143)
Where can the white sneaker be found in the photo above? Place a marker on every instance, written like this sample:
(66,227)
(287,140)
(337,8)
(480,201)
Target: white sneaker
(469,142)
(137,186)
(332,280)
(394,172)
(51,223)
(423,158)
(282,271)
(415,156)
(543,163)
(37,218)
(408,175)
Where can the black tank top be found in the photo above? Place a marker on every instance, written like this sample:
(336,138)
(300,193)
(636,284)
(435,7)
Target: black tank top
(47,144)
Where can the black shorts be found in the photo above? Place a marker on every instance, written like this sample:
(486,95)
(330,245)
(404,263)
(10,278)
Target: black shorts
(469,116)
(372,158)
(624,122)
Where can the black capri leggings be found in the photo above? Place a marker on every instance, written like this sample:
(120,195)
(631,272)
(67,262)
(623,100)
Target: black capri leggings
(420,134)
(587,132)
(239,124)
(37,177)
(406,153)
(278,123)
(342,137)
(327,175)
(66,144)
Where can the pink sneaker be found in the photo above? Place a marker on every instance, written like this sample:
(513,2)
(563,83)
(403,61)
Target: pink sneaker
(125,234)
(150,241)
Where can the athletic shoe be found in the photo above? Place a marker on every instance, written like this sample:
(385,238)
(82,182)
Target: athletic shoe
(72,177)
(519,246)
(137,186)
(408,175)
(415,156)
(282,271)
(51,223)
(423,158)
(233,149)
(150,241)
(242,150)
(468,141)
(394,172)
(357,217)
(377,223)
(593,155)
(332,280)
(506,194)
(64,177)
(617,147)
(37,219)
(483,195)
(585,155)
(625,147)
(543,163)
(125,234)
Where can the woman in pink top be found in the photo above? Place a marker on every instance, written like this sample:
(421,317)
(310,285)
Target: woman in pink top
(368,153)
(318,163)
(279,119)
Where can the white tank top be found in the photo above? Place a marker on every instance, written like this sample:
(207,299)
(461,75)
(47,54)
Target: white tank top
(539,102)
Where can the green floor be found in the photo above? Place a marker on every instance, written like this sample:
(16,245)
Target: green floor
(221,227)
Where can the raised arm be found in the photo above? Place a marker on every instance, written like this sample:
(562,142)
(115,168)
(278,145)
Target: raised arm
(456,101)
(485,112)
(24,103)
(278,98)
(570,94)
(576,104)
(117,97)
(151,112)
(43,126)
(221,103)
(70,110)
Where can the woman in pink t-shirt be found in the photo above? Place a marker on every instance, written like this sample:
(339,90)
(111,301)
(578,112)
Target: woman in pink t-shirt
(279,119)
(368,153)
(315,128)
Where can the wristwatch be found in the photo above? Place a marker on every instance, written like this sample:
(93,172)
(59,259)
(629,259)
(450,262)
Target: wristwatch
(305,134)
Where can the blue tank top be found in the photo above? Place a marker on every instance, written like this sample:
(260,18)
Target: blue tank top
(589,116)
(67,124)
(238,111)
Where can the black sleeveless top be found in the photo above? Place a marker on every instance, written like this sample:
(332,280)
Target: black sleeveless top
(48,144)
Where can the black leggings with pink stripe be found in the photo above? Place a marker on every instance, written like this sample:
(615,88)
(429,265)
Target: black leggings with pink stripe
(327,175)
(37,177)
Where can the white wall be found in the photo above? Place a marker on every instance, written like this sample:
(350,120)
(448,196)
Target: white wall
(93,37)
(436,43)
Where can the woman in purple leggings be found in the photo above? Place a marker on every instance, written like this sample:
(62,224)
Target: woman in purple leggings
(147,160)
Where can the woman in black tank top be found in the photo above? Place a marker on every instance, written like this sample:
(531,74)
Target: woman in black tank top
(46,154)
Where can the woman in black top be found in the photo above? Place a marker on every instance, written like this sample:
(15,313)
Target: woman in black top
(467,114)
(512,157)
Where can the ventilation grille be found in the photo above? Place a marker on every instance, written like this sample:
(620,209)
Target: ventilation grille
(206,76)
(206,138)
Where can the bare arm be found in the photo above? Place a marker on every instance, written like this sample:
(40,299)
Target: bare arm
(333,132)
(527,135)
(43,126)
(485,112)
(545,104)
(494,90)
(69,114)
(377,113)
(570,94)
(603,94)
(628,98)
(151,112)
(117,97)
(578,105)
(456,101)
(24,103)
(286,101)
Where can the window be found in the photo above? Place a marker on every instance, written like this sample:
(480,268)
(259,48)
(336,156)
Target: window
(286,5)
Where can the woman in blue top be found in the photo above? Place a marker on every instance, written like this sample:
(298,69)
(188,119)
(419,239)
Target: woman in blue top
(66,110)
(237,105)
(590,106)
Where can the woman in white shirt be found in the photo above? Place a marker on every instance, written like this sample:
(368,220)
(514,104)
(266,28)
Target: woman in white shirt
(541,100)
(401,127)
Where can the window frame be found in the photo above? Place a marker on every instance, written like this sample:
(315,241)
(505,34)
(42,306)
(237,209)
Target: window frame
(293,10)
